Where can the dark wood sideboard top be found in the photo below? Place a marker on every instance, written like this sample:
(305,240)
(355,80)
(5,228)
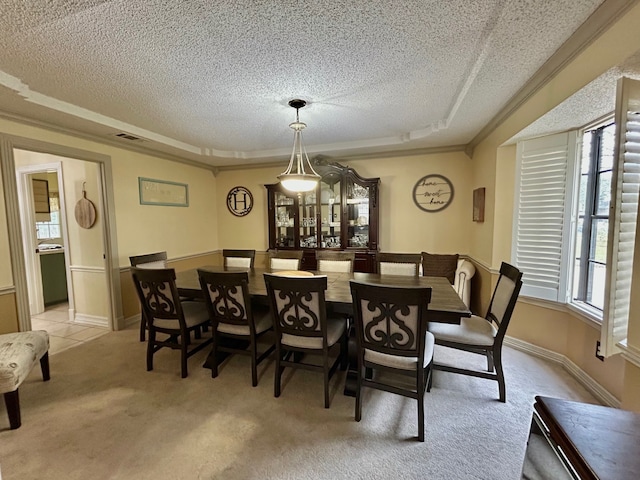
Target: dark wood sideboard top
(600,442)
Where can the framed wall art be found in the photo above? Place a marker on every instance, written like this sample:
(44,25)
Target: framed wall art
(239,201)
(478,205)
(433,193)
(162,192)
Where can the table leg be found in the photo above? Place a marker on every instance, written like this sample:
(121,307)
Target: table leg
(351,381)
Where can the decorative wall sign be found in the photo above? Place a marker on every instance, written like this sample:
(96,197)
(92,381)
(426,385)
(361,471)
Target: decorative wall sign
(239,201)
(433,193)
(85,211)
(478,205)
(161,192)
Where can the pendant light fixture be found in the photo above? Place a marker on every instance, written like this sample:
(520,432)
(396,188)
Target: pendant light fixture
(299,175)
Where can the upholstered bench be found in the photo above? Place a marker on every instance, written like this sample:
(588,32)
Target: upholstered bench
(19,353)
(458,270)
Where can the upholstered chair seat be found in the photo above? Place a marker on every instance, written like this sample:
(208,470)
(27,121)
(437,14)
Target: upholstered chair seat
(19,353)
(484,336)
(195,313)
(168,316)
(471,331)
(151,261)
(404,363)
(235,319)
(392,338)
(335,330)
(262,320)
(303,328)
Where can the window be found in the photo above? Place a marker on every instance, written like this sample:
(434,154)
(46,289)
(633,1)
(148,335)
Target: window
(51,228)
(594,198)
(604,222)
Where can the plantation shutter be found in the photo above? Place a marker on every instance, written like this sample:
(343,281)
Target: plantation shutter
(542,214)
(623,218)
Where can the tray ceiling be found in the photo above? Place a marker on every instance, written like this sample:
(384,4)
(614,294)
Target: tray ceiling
(209,81)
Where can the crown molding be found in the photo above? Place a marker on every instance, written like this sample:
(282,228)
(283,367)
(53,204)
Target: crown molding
(103,140)
(609,12)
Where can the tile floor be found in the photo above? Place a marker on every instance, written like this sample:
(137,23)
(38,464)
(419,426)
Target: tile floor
(63,334)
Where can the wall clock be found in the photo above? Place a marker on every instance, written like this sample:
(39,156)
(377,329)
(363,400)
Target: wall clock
(239,201)
(433,193)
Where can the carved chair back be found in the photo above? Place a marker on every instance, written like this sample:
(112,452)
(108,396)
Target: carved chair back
(390,320)
(159,297)
(298,305)
(227,297)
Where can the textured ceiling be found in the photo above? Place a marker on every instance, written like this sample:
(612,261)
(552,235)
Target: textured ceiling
(210,80)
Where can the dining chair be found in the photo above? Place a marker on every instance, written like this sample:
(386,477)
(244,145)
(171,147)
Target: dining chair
(148,260)
(330,261)
(166,314)
(398,263)
(484,335)
(285,259)
(239,258)
(234,317)
(392,339)
(302,327)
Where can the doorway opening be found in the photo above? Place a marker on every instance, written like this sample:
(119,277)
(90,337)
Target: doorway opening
(88,268)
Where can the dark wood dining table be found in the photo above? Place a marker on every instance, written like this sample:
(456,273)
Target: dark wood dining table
(445,306)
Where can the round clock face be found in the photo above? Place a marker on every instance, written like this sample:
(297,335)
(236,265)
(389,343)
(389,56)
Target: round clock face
(433,193)
(239,201)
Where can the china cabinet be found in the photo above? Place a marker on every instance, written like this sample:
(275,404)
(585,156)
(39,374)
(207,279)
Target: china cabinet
(340,214)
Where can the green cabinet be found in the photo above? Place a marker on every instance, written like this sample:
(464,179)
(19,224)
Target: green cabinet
(54,278)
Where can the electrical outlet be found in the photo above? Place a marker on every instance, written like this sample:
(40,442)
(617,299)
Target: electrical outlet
(598,356)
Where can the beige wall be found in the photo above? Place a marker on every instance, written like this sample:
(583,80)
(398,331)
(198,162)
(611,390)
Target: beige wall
(403,227)
(181,231)
(555,330)
(631,392)
(8,313)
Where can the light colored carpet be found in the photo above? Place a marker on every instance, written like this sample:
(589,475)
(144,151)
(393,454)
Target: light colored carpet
(103,416)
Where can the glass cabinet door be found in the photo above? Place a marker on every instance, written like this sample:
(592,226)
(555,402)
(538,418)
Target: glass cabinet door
(285,214)
(358,215)
(330,212)
(308,228)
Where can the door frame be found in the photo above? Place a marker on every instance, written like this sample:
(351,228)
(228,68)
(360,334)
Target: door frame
(30,241)
(7,145)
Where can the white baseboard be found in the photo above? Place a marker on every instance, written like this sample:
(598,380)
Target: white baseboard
(132,320)
(94,320)
(589,383)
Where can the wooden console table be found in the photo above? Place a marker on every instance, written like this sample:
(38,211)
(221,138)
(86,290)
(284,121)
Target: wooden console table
(576,440)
